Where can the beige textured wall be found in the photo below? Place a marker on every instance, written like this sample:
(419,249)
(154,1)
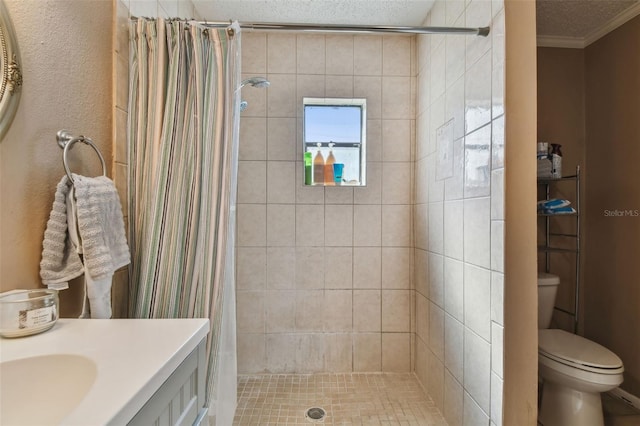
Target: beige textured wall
(459,214)
(324,279)
(66,61)
(520,290)
(611,291)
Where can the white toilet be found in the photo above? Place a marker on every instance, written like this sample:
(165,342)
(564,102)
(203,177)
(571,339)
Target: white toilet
(574,370)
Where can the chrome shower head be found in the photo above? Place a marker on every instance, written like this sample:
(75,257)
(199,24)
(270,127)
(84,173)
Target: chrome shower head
(259,82)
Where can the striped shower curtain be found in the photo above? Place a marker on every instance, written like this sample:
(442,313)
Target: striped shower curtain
(182,136)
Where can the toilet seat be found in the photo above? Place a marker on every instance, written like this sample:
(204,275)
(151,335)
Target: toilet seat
(577,352)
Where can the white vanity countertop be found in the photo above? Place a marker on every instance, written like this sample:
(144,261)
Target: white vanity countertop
(133,356)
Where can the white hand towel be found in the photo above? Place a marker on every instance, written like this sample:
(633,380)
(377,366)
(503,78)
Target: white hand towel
(100,225)
(102,238)
(60,262)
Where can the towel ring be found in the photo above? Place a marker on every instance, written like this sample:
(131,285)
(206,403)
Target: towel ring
(67,146)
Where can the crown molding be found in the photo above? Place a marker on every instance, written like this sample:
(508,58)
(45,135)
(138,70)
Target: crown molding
(612,24)
(561,41)
(598,33)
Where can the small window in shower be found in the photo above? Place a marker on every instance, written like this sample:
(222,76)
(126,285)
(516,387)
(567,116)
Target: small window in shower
(334,138)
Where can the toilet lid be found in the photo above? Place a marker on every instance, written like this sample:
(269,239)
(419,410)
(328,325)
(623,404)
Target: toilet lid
(576,349)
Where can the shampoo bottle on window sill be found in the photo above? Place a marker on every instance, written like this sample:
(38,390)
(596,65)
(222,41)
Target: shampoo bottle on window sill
(328,167)
(318,168)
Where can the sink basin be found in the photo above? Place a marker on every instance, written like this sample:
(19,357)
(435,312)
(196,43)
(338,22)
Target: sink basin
(43,390)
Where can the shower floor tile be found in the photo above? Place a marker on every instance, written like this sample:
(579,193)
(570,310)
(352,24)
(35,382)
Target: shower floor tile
(348,399)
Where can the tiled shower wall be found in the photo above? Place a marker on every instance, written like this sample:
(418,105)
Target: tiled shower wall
(459,214)
(324,281)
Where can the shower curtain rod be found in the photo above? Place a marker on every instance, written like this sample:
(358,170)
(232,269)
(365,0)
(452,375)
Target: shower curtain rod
(483,31)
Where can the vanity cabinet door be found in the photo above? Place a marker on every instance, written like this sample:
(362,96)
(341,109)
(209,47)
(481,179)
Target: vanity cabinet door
(181,396)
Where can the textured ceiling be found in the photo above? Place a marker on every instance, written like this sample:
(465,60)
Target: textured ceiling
(357,12)
(577,18)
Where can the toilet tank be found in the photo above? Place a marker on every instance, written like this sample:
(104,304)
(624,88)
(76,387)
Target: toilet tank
(547,290)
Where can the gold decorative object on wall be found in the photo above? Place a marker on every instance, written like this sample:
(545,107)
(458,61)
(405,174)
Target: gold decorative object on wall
(10,73)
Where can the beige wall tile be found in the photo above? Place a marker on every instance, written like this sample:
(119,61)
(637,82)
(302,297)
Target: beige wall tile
(497,297)
(281,53)
(338,267)
(395,177)
(497,349)
(310,353)
(454,288)
(367,55)
(396,55)
(453,400)
(309,268)
(338,195)
(477,300)
(310,54)
(340,54)
(309,225)
(250,311)
(422,317)
(367,311)
(436,278)
(338,351)
(338,308)
(436,382)
(477,231)
(281,268)
(339,86)
(251,268)
(280,311)
(281,99)
(472,413)
(252,225)
(281,221)
(453,229)
(372,193)
(338,221)
(436,227)
(254,53)
(251,353)
(454,347)
(374,141)
(396,225)
(281,139)
(396,97)
(396,268)
(309,308)
(367,352)
(367,225)
(478,94)
(253,138)
(477,369)
(281,353)
(436,331)
(281,182)
(396,352)
(396,140)
(252,182)
(422,362)
(421,272)
(371,89)
(396,311)
(367,267)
